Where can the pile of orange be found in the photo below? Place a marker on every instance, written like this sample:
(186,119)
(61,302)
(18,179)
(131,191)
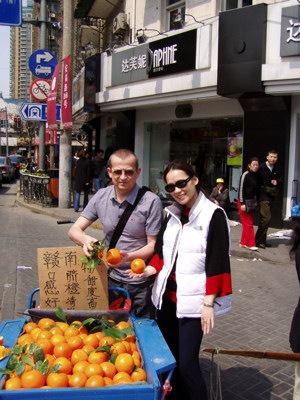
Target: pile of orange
(76,355)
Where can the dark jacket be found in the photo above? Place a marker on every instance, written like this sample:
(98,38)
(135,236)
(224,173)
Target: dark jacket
(268,192)
(248,186)
(83,174)
(222,198)
(98,167)
(295,327)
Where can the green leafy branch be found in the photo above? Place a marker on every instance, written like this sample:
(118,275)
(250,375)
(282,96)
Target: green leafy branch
(96,254)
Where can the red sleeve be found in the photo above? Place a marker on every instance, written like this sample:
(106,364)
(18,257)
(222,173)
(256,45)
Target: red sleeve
(220,284)
(156,263)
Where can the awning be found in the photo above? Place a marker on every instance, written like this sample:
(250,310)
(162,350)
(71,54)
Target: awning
(95,8)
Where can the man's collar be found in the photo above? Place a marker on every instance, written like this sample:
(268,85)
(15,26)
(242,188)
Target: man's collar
(130,198)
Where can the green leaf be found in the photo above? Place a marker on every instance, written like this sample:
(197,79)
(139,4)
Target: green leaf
(88,321)
(45,367)
(76,325)
(101,348)
(113,358)
(17,349)
(92,263)
(115,333)
(84,259)
(38,366)
(27,359)
(39,354)
(55,367)
(12,362)
(5,371)
(20,368)
(60,314)
(32,348)
(128,331)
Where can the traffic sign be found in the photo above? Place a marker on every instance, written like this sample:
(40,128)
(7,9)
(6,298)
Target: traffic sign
(39,89)
(11,12)
(37,112)
(42,63)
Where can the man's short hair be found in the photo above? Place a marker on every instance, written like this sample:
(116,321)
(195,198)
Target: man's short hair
(123,154)
(272,152)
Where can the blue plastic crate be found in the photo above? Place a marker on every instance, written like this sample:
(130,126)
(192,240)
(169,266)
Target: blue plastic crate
(156,355)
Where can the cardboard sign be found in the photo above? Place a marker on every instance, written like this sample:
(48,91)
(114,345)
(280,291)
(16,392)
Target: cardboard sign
(66,282)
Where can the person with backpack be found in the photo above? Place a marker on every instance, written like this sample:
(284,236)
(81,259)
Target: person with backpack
(137,237)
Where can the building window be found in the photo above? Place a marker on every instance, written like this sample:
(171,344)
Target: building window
(231,4)
(175,9)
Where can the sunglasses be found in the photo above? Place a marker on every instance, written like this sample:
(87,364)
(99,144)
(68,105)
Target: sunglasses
(127,172)
(179,184)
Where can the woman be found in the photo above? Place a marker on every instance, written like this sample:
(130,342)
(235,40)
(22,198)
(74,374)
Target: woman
(82,179)
(220,194)
(295,327)
(248,191)
(191,261)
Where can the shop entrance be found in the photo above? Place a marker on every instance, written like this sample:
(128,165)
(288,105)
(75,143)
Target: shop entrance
(213,146)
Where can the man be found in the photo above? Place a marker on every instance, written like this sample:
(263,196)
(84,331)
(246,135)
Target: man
(98,165)
(139,234)
(268,178)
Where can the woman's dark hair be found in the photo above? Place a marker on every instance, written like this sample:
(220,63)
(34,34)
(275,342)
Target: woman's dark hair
(295,237)
(183,166)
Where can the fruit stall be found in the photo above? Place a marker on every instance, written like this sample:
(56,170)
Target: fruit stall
(156,360)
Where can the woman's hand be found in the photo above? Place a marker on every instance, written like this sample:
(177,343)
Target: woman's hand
(148,271)
(207,319)
(243,207)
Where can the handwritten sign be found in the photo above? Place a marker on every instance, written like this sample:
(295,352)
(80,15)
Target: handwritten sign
(66,282)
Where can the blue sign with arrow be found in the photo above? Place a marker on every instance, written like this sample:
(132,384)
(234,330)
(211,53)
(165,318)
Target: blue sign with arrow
(42,63)
(11,12)
(37,112)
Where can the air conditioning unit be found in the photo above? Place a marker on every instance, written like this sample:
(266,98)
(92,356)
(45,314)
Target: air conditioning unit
(52,37)
(52,15)
(120,23)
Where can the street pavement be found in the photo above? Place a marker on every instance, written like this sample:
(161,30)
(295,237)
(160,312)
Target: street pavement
(265,292)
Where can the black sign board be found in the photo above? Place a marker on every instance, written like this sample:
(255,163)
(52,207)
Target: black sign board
(172,55)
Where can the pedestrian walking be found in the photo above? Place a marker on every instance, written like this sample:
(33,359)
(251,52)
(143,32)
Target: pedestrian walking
(136,239)
(82,180)
(268,179)
(295,326)
(193,281)
(98,166)
(248,203)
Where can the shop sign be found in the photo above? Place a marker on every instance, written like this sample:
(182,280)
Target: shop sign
(290,31)
(66,113)
(51,100)
(170,55)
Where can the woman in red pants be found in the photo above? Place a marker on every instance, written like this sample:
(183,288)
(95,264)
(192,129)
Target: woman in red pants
(248,191)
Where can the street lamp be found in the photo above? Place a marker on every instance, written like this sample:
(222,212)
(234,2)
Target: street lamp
(6,125)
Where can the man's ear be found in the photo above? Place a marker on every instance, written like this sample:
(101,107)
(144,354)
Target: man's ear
(109,172)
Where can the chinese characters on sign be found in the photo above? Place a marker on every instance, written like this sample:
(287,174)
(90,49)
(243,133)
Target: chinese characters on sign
(66,112)
(66,282)
(290,32)
(134,63)
(51,100)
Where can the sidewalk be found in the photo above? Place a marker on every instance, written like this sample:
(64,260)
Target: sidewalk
(278,253)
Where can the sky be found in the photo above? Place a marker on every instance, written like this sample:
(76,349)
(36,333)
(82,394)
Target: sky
(4,60)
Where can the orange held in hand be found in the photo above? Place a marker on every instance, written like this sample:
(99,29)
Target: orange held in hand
(113,256)
(138,265)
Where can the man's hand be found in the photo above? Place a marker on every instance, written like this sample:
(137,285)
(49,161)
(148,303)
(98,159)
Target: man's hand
(125,257)
(86,244)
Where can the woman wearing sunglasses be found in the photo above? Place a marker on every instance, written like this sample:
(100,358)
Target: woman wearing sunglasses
(191,261)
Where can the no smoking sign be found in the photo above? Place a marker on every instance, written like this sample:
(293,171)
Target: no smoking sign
(39,89)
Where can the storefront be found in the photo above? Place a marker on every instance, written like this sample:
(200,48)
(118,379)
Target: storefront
(229,95)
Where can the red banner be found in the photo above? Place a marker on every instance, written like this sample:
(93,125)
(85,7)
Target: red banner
(66,112)
(51,101)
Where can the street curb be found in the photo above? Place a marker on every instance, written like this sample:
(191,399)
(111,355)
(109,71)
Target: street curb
(51,213)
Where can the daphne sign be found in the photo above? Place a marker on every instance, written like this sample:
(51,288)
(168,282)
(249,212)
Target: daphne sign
(170,55)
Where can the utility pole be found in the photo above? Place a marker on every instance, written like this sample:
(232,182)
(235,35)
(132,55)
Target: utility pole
(43,44)
(65,140)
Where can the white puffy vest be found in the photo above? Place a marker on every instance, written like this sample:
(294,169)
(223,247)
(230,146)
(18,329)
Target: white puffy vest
(188,243)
